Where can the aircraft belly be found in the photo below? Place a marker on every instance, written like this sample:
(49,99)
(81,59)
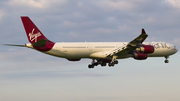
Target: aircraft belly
(77,54)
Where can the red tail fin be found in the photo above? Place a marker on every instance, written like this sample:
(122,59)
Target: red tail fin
(33,33)
(35,36)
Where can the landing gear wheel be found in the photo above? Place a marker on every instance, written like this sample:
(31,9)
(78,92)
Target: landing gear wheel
(95,64)
(166,61)
(91,66)
(103,64)
(116,62)
(111,64)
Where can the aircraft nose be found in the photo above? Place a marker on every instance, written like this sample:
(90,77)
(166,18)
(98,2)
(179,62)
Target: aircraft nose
(175,49)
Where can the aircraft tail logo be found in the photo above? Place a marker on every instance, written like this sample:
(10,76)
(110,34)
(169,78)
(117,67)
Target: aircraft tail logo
(33,37)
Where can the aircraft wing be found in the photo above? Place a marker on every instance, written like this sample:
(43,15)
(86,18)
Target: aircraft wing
(131,46)
(139,39)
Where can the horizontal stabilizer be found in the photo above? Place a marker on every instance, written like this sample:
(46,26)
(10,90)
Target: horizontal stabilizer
(40,43)
(15,45)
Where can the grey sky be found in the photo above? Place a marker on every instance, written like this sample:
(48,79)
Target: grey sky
(28,75)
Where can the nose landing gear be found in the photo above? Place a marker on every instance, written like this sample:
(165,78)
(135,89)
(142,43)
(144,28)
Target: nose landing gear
(166,61)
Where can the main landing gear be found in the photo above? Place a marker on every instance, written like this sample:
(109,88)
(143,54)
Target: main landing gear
(166,61)
(102,63)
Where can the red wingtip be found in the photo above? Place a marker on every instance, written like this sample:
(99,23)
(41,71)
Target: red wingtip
(143,31)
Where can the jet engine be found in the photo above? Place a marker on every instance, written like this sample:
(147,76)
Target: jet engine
(139,56)
(145,49)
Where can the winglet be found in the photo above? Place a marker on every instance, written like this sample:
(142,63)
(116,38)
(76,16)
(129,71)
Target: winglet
(139,39)
(143,31)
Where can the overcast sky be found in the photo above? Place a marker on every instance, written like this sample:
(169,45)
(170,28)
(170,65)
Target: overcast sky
(28,75)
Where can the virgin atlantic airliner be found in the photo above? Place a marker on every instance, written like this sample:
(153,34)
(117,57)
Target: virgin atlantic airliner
(101,53)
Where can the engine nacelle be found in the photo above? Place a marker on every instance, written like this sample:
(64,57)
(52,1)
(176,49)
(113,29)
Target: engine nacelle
(146,49)
(139,56)
(74,59)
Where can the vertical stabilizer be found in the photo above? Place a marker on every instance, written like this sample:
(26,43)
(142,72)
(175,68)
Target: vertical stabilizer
(35,36)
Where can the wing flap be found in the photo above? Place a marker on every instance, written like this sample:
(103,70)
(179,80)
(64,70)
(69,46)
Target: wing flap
(111,53)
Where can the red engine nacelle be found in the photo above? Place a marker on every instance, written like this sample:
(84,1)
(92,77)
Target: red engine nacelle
(139,56)
(74,59)
(146,49)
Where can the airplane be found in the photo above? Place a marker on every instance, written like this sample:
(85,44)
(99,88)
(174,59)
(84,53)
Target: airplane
(101,53)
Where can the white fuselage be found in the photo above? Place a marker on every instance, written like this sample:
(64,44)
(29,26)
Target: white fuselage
(77,50)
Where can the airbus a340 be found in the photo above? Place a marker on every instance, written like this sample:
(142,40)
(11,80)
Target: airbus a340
(101,53)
